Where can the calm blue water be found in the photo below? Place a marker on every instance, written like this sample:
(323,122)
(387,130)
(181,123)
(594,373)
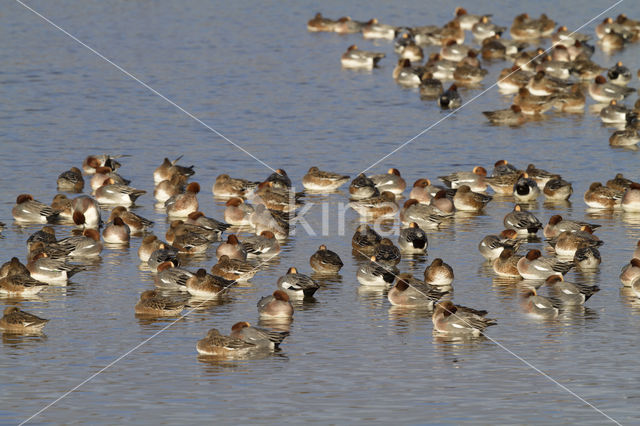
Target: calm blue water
(255,74)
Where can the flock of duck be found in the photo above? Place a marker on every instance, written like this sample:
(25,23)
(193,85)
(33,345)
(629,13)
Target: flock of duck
(541,80)
(268,209)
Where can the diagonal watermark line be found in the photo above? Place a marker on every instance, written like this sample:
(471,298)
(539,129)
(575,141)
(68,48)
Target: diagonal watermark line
(486,90)
(515,355)
(130,351)
(133,77)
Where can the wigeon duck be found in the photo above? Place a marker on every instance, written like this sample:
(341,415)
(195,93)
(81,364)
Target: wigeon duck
(28,210)
(202,284)
(117,232)
(64,206)
(468,75)
(199,219)
(564,37)
(466,20)
(560,69)
(612,41)
(624,138)
(71,180)
(452,320)
(297,285)
(320,181)
(407,75)
(13,267)
(86,245)
(412,293)
(346,25)
(535,267)
(275,306)
(320,23)
(587,258)
(412,52)
(325,261)
(150,243)
(233,269)
(484,28)
(232,248)
(262,219)
(365,240)
(453,30)
(362,187)
(450,99)
(21,284)
(491,246)
(570,294)
(373,30)
(542,84)
(92,162)
(532,104)
(630,272)
(375,274)
(380,206)
(189,242)
(614,113)
(276,198)
(512,116)
(493,48)
(506,265)
(522,221)
(438,273)
(137,224)
(391,181)
(503,167)
(168,169)
(237,212)
(602,91)
(217,345)
(386,253)
(442,203)
(261,245)
(426,216)
(263,339)
(452,51)
(557,189)
(512,79)
(104,173)
(53,251)
(568,242)
(601,197)
(171,277)
(152,304)
(279,178)
(528,60)
(357,59)
(619,183)
(413,239)
(112,193)
(524,27)
(539,306)
(466,200)
(162,254)
(47,235)
(631,198)
(420,191)
(209,235)
(503,184)
(475,179)
(169,188)
(86,212)
(226,187)
(430,87)
(619,74)
(52,271)
(558,225)
(572,101)
(183,204)
(16,321)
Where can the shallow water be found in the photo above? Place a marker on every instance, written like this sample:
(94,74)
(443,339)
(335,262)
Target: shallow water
(261,79)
